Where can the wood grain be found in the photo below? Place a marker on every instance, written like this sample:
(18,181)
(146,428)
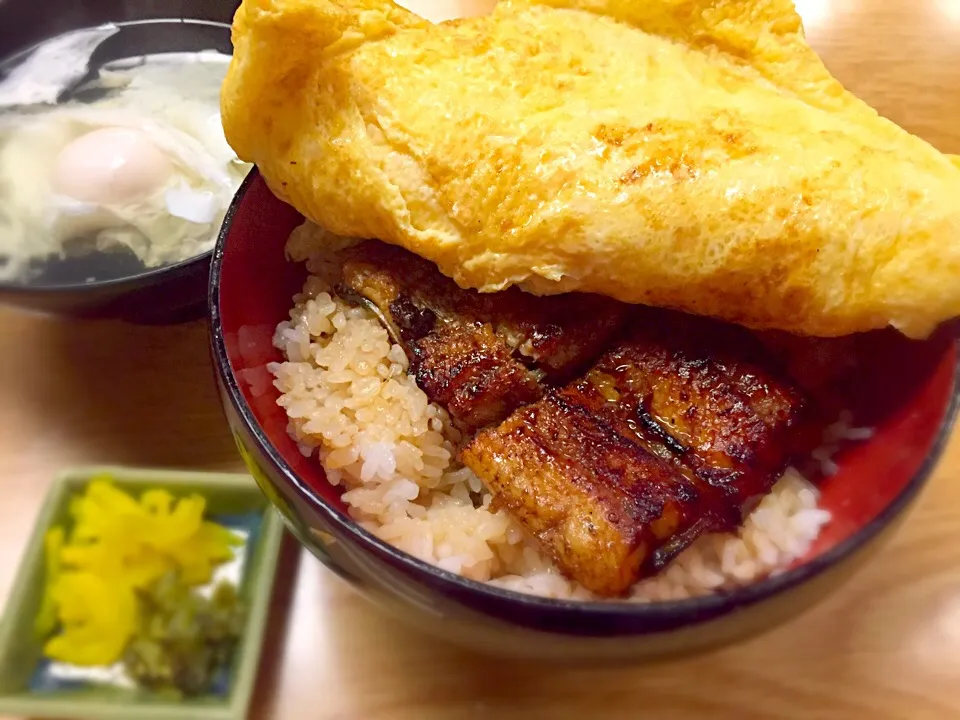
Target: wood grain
(886,646)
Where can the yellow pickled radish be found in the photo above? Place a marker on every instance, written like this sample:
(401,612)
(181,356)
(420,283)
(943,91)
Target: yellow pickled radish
(98,617)
(118,545)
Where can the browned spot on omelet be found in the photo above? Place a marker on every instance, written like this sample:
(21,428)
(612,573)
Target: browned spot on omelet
(683,150)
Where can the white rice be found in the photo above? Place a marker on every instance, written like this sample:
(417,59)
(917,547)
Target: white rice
(345,389)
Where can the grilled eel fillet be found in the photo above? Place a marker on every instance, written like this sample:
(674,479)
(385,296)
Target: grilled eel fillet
(480,356)
(674,432)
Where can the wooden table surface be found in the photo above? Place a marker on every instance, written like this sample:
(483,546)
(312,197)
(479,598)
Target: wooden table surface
(886,646)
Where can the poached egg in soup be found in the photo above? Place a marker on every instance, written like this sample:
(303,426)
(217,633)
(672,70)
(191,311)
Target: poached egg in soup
(131,162)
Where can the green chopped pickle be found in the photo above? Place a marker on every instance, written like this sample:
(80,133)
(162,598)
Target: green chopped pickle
(183,638)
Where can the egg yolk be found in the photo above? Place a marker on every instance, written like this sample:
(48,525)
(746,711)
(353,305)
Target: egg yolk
(110,166)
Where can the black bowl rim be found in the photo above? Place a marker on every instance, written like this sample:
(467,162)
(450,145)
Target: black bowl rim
(670,613)
(151,275)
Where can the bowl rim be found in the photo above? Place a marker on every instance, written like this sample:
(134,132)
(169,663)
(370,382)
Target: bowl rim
(689,611)
(151,275)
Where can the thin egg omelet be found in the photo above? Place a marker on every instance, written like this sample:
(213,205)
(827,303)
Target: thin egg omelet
(689,154)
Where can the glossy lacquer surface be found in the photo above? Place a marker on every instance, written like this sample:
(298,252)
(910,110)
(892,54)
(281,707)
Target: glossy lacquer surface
(885,645)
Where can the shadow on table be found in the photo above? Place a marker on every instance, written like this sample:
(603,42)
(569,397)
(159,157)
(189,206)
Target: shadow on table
(120,393)
(278,625)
